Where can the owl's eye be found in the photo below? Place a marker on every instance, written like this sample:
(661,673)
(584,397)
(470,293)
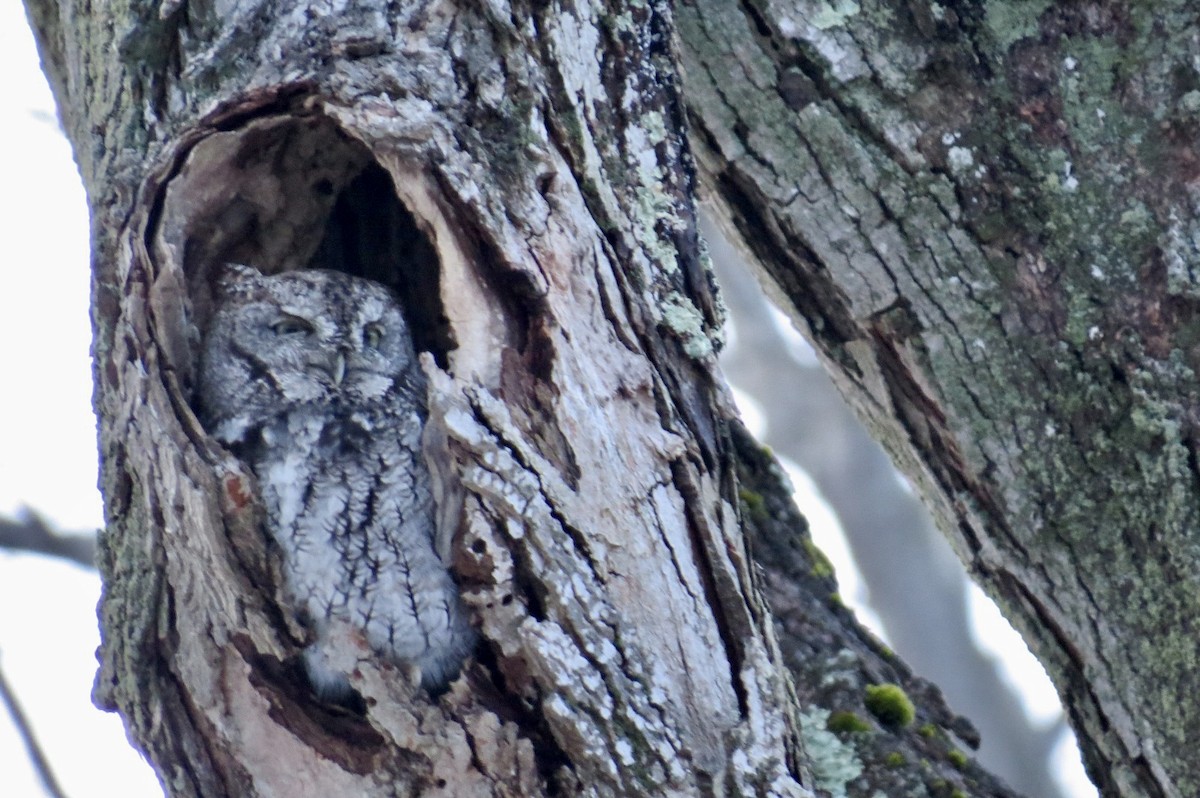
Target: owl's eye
(291,325)
(373,335)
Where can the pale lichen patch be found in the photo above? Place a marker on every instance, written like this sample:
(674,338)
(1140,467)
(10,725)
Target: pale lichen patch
(834,763)
(835,14)
(681,317)
(1011,22)
(656,128)
(960,159)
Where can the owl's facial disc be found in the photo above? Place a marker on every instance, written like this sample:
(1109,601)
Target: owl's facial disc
(301,339)
(356,356)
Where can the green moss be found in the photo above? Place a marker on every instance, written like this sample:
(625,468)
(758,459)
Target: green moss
(755,505)
(928,731)
(895,760)
(821,566)
(846,722)
(890,704)
(957,758)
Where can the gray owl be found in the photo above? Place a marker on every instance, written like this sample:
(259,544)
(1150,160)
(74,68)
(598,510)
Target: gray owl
(310,376)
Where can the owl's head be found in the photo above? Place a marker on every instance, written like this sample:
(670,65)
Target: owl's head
(301,337)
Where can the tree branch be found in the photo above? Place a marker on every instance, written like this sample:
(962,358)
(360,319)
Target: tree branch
(29,532)
(25,731)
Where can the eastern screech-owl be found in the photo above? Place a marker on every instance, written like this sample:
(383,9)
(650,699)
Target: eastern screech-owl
(310,376)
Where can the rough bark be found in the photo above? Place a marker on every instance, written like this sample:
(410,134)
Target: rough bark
(521,177)
(984,216)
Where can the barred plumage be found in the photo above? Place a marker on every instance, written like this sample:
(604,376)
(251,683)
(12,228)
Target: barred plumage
(311,377)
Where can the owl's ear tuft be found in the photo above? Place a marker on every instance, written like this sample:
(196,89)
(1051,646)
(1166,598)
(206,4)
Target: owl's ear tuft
(237,278)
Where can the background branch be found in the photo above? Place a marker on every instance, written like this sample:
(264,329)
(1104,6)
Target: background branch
(29,532)
(38,759)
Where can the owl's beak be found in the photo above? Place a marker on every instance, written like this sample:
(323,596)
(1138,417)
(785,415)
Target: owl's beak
(338,367)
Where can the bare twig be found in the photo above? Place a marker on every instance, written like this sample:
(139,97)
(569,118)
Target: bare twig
(40,764)
(28,532)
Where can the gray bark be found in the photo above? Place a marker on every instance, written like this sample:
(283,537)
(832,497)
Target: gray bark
(985,219)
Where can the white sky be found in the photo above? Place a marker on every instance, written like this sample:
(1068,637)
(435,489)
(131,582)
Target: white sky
(48,633)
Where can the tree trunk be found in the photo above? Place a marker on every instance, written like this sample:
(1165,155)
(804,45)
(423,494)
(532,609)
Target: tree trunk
(985,218)
(523,182)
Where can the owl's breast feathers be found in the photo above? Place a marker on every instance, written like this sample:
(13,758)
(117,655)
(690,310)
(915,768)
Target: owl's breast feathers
(354,516)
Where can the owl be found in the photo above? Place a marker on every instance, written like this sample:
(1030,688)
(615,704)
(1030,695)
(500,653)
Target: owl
(311,378)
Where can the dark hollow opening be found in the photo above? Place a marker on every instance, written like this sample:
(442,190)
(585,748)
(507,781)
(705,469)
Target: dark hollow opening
(298,193)
(371,234)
